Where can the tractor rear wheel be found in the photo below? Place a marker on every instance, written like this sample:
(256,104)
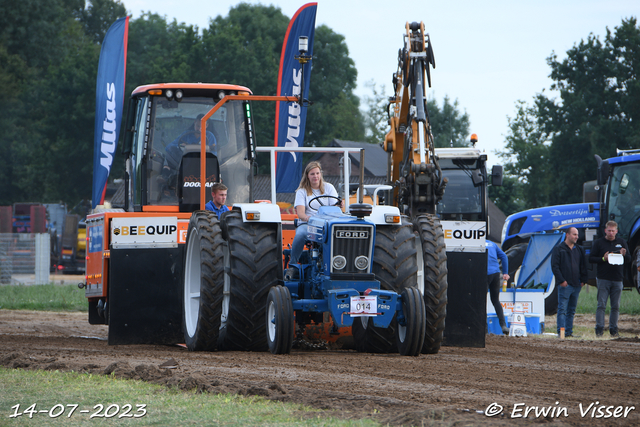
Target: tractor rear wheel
(434,260)
(410,332)
(279,320)
(395,265)
(203,282)
(255,266)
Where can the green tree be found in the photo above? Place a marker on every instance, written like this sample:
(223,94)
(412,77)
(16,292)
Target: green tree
(63,108)
(508,198)
(31,28)
(376,117)
(335,112)
(526,158)
(243,48)
(12,108)
(98,16)
(449,126)
(160,52)
(598,110)
(48,63)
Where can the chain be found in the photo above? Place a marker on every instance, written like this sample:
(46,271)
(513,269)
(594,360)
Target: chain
(303,343)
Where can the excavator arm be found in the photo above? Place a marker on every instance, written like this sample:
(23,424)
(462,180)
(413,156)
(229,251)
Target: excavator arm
(412,164)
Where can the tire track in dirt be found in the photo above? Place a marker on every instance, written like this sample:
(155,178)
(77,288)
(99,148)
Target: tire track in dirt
(440,389)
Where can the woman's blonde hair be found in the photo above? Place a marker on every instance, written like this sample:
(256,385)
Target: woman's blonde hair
(306,184)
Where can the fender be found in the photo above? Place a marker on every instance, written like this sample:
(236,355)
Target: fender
(268,212)
(380,213)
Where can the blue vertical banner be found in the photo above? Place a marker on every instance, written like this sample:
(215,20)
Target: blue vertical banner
(290,116)
(109,105)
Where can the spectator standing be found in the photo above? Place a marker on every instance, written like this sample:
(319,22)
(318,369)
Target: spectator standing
(569,266)
(609,276)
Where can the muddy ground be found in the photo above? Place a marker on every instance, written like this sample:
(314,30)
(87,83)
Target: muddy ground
(458,386)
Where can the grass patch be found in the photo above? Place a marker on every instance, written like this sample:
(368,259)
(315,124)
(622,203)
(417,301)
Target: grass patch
(164,407)
(588,302)
(43,297)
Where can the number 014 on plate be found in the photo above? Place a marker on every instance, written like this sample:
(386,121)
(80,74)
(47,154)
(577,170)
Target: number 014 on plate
(364,306)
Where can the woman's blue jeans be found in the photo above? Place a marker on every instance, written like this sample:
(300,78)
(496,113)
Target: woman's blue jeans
(298,243)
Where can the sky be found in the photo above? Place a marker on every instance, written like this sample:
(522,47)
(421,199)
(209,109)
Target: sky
(489,54)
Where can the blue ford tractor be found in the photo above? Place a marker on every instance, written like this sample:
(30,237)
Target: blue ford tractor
(615,196)
(338,274)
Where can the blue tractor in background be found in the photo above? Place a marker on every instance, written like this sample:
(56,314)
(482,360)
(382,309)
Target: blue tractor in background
(338,274)
(615,195)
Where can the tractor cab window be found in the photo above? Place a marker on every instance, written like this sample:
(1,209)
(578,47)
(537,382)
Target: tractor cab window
(462,198)
(174,131)
(624,197)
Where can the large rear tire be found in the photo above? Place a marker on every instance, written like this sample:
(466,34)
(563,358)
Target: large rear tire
(255,266)
(203,282)
(410,333)
(279,320)
(395,265)
(434,258)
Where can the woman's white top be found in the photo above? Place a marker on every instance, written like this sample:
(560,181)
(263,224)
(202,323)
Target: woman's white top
(302,199)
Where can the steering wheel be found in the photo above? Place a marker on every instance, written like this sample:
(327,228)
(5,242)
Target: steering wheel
(317,198)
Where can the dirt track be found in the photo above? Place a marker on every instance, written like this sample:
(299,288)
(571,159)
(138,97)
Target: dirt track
(440,389)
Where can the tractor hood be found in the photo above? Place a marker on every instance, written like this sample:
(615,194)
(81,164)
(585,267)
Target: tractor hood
(346,242)
(524,224)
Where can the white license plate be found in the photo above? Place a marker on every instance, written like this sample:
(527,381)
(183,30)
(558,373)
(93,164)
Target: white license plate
(364,306)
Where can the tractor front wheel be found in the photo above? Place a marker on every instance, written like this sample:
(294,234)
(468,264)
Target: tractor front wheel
(410,331)
(279,320)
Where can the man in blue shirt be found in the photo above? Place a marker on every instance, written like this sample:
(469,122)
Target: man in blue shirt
(219,197)
(188,137)
(493,278)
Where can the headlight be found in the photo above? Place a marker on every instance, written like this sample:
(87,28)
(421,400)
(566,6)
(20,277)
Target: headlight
(392,219)
(362,262)
(339,262)
(168,93)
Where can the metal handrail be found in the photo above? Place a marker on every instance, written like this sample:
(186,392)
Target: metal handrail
(346,151)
